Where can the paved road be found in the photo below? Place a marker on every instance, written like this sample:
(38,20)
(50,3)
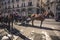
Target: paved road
(50,28)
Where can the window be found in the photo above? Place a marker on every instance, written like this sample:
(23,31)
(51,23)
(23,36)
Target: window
(9,7)
(12,1)
(17,6)
(48,8)
(5,7)
(29,3)
(17,0)
(2,3)
(9,1)
(48,2)
(13,6)
(58,8)
(5,3)
(23,4)
(37,4)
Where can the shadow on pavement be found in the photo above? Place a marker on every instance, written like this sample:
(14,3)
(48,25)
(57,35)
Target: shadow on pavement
(55,37)
(17,33)
(28,25)
(14,31)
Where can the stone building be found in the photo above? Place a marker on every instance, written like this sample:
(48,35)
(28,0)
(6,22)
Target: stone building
(20,5)
(50,5)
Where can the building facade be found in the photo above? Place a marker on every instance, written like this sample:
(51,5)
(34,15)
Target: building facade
(54,6)
(20,5)
(50,5)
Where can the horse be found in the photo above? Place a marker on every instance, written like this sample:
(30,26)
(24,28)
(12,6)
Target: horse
(40,17)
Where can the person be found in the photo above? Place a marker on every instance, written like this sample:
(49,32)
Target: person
(16,17)
(24,17)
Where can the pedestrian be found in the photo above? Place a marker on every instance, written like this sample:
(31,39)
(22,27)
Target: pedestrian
(24,17)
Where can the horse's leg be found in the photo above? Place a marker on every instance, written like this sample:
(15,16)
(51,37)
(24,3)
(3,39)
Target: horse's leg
(41,23)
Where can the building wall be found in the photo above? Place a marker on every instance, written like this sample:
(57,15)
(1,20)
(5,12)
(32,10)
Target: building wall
(52,5)
(20,2)
(34,3)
